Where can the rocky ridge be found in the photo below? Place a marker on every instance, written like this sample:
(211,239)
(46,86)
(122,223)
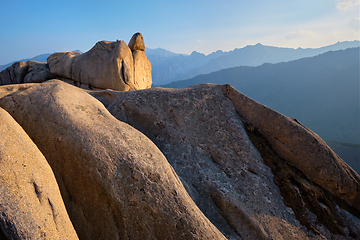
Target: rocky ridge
(204,162)
(112,65)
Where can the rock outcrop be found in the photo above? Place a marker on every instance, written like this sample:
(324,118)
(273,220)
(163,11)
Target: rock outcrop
(205,162)
(108,65)
(220,144)
(115,182)
(112,65)
(31,206)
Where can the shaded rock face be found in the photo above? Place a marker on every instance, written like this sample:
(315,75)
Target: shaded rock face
(31,206)
(37,72)
(204,162)
(115,182)
(25,72)
(232,155)
(14,74)
(108,65)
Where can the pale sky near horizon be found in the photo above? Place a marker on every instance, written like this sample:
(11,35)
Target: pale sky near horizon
(30,28)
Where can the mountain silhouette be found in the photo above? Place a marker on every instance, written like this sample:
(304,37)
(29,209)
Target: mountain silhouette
(169,68)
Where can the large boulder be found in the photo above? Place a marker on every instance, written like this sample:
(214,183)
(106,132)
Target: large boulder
(108,65)
(137,42)
(31,206)
(25,72)
(223,147)
(116,184)
(14,74)
(142,65)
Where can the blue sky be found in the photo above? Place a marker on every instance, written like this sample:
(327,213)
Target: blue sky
(30,28)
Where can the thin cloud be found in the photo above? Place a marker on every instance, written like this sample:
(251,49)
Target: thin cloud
(345,4)
(355,24)
(300,34)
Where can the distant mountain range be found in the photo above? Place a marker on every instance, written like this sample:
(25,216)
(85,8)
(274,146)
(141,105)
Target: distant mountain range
(322,92)
(168,67)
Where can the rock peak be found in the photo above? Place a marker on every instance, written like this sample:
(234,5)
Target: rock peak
(137,42)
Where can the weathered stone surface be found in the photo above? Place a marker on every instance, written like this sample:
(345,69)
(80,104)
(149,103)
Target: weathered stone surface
(115,182)
(108,65)
(14,74)
(232,172)
(142,73)
(137,42)
(37,72)
(31,206)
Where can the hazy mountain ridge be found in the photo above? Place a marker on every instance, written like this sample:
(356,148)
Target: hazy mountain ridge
(173,68)
(167,65)
(258,54)
(161,52)
(322,92)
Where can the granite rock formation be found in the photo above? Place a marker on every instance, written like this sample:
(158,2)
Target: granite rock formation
(112,65)
(205,162)
(108,65)
(142,65)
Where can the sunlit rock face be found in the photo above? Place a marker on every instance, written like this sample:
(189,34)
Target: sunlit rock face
(108,65)
(31,206)
(204,162)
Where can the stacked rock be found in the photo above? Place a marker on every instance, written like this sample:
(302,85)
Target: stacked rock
(142,65)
